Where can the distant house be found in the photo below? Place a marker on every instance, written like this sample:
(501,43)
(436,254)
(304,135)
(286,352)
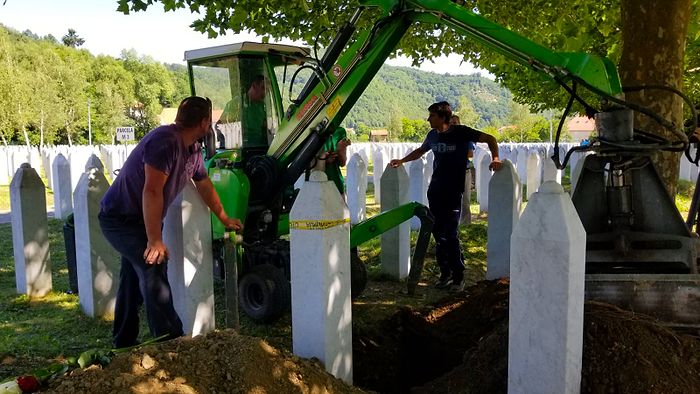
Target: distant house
(167,116)
(379,135)
(581,127)
(506,128)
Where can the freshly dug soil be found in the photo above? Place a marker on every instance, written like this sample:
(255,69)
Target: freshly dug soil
(219,362)
(459,345)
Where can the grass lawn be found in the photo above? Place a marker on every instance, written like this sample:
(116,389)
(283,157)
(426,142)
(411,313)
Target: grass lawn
(5,198)
(32,331)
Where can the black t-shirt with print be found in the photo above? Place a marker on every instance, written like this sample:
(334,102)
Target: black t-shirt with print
(450,156)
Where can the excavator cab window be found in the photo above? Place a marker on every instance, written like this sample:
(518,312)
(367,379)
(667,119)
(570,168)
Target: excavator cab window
(244,115)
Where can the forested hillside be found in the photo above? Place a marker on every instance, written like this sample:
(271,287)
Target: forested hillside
(407,93)
(48,87)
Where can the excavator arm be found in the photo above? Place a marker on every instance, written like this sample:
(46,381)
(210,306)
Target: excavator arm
(342,77)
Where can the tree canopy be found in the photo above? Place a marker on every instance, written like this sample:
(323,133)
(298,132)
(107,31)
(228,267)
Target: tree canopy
(578,25)
(653,42)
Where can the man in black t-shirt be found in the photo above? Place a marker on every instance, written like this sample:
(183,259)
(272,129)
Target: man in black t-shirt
(449,144)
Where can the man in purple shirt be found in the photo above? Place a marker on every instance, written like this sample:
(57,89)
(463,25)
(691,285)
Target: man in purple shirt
(132,215)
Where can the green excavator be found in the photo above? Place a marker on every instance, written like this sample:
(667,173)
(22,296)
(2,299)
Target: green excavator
(265,141)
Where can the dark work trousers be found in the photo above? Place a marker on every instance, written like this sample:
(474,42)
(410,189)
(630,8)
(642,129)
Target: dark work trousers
(139,283)
(445,205)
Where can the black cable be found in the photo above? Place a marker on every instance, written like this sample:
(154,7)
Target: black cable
(671,89)
(316,44)
(284,76)
(644,110)
(569,104)
(294,76)
(590,110)
(693,112)
(571,151)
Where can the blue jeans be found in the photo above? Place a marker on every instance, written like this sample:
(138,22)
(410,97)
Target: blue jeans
(139,283)
(446,206)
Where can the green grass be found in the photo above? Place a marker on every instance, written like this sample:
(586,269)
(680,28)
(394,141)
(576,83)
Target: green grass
(684,196)
(35,331)
(5,198)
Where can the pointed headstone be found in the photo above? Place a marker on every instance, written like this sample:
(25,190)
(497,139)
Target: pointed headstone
(505,198)
(483,177)
(534,173)
(547,276)
(30,233)
(96,260)
(94,162)
(62,192)
(187,235)
(356,188)
(418,187)
(320,275)
(395,243)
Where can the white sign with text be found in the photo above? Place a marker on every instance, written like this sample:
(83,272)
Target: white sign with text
(125,134)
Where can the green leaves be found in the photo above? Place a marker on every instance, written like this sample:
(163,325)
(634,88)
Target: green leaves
(95,356)
(577,25)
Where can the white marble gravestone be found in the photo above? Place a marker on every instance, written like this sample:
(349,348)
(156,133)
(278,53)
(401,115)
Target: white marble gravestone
(547,277)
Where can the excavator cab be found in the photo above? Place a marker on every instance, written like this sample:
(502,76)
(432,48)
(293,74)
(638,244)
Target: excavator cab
(247,103)
(247,108)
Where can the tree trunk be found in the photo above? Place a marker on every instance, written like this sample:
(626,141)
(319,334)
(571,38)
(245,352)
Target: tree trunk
(654,37)
(24,127)
(70,141)
(41,131)
(26,136)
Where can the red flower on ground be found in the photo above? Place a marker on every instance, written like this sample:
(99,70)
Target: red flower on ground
(28,384)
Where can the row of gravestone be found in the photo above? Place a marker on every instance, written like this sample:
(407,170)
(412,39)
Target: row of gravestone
(540,249)
(378,154)
(320,275)
(532,161)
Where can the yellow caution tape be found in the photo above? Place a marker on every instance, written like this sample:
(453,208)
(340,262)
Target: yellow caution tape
(316,224)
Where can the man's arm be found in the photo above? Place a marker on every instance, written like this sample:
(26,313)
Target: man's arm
(152,206)
(415,154)
(206,189)
(493,147)
(343,152)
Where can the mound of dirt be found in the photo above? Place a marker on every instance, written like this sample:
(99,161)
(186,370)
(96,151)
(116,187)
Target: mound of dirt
(461,346)
(219,362)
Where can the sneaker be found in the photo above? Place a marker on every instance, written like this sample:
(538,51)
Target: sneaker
(457,287)
(443,282)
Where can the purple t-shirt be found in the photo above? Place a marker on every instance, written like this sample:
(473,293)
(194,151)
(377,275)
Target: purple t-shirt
(164,150)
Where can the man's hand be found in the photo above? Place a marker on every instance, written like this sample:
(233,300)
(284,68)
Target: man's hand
(395,163)
(331,157)
(232,224)
(155,253)
(495,165)
(344,143)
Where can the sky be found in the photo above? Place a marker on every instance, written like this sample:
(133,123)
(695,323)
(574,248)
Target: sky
(163,36)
